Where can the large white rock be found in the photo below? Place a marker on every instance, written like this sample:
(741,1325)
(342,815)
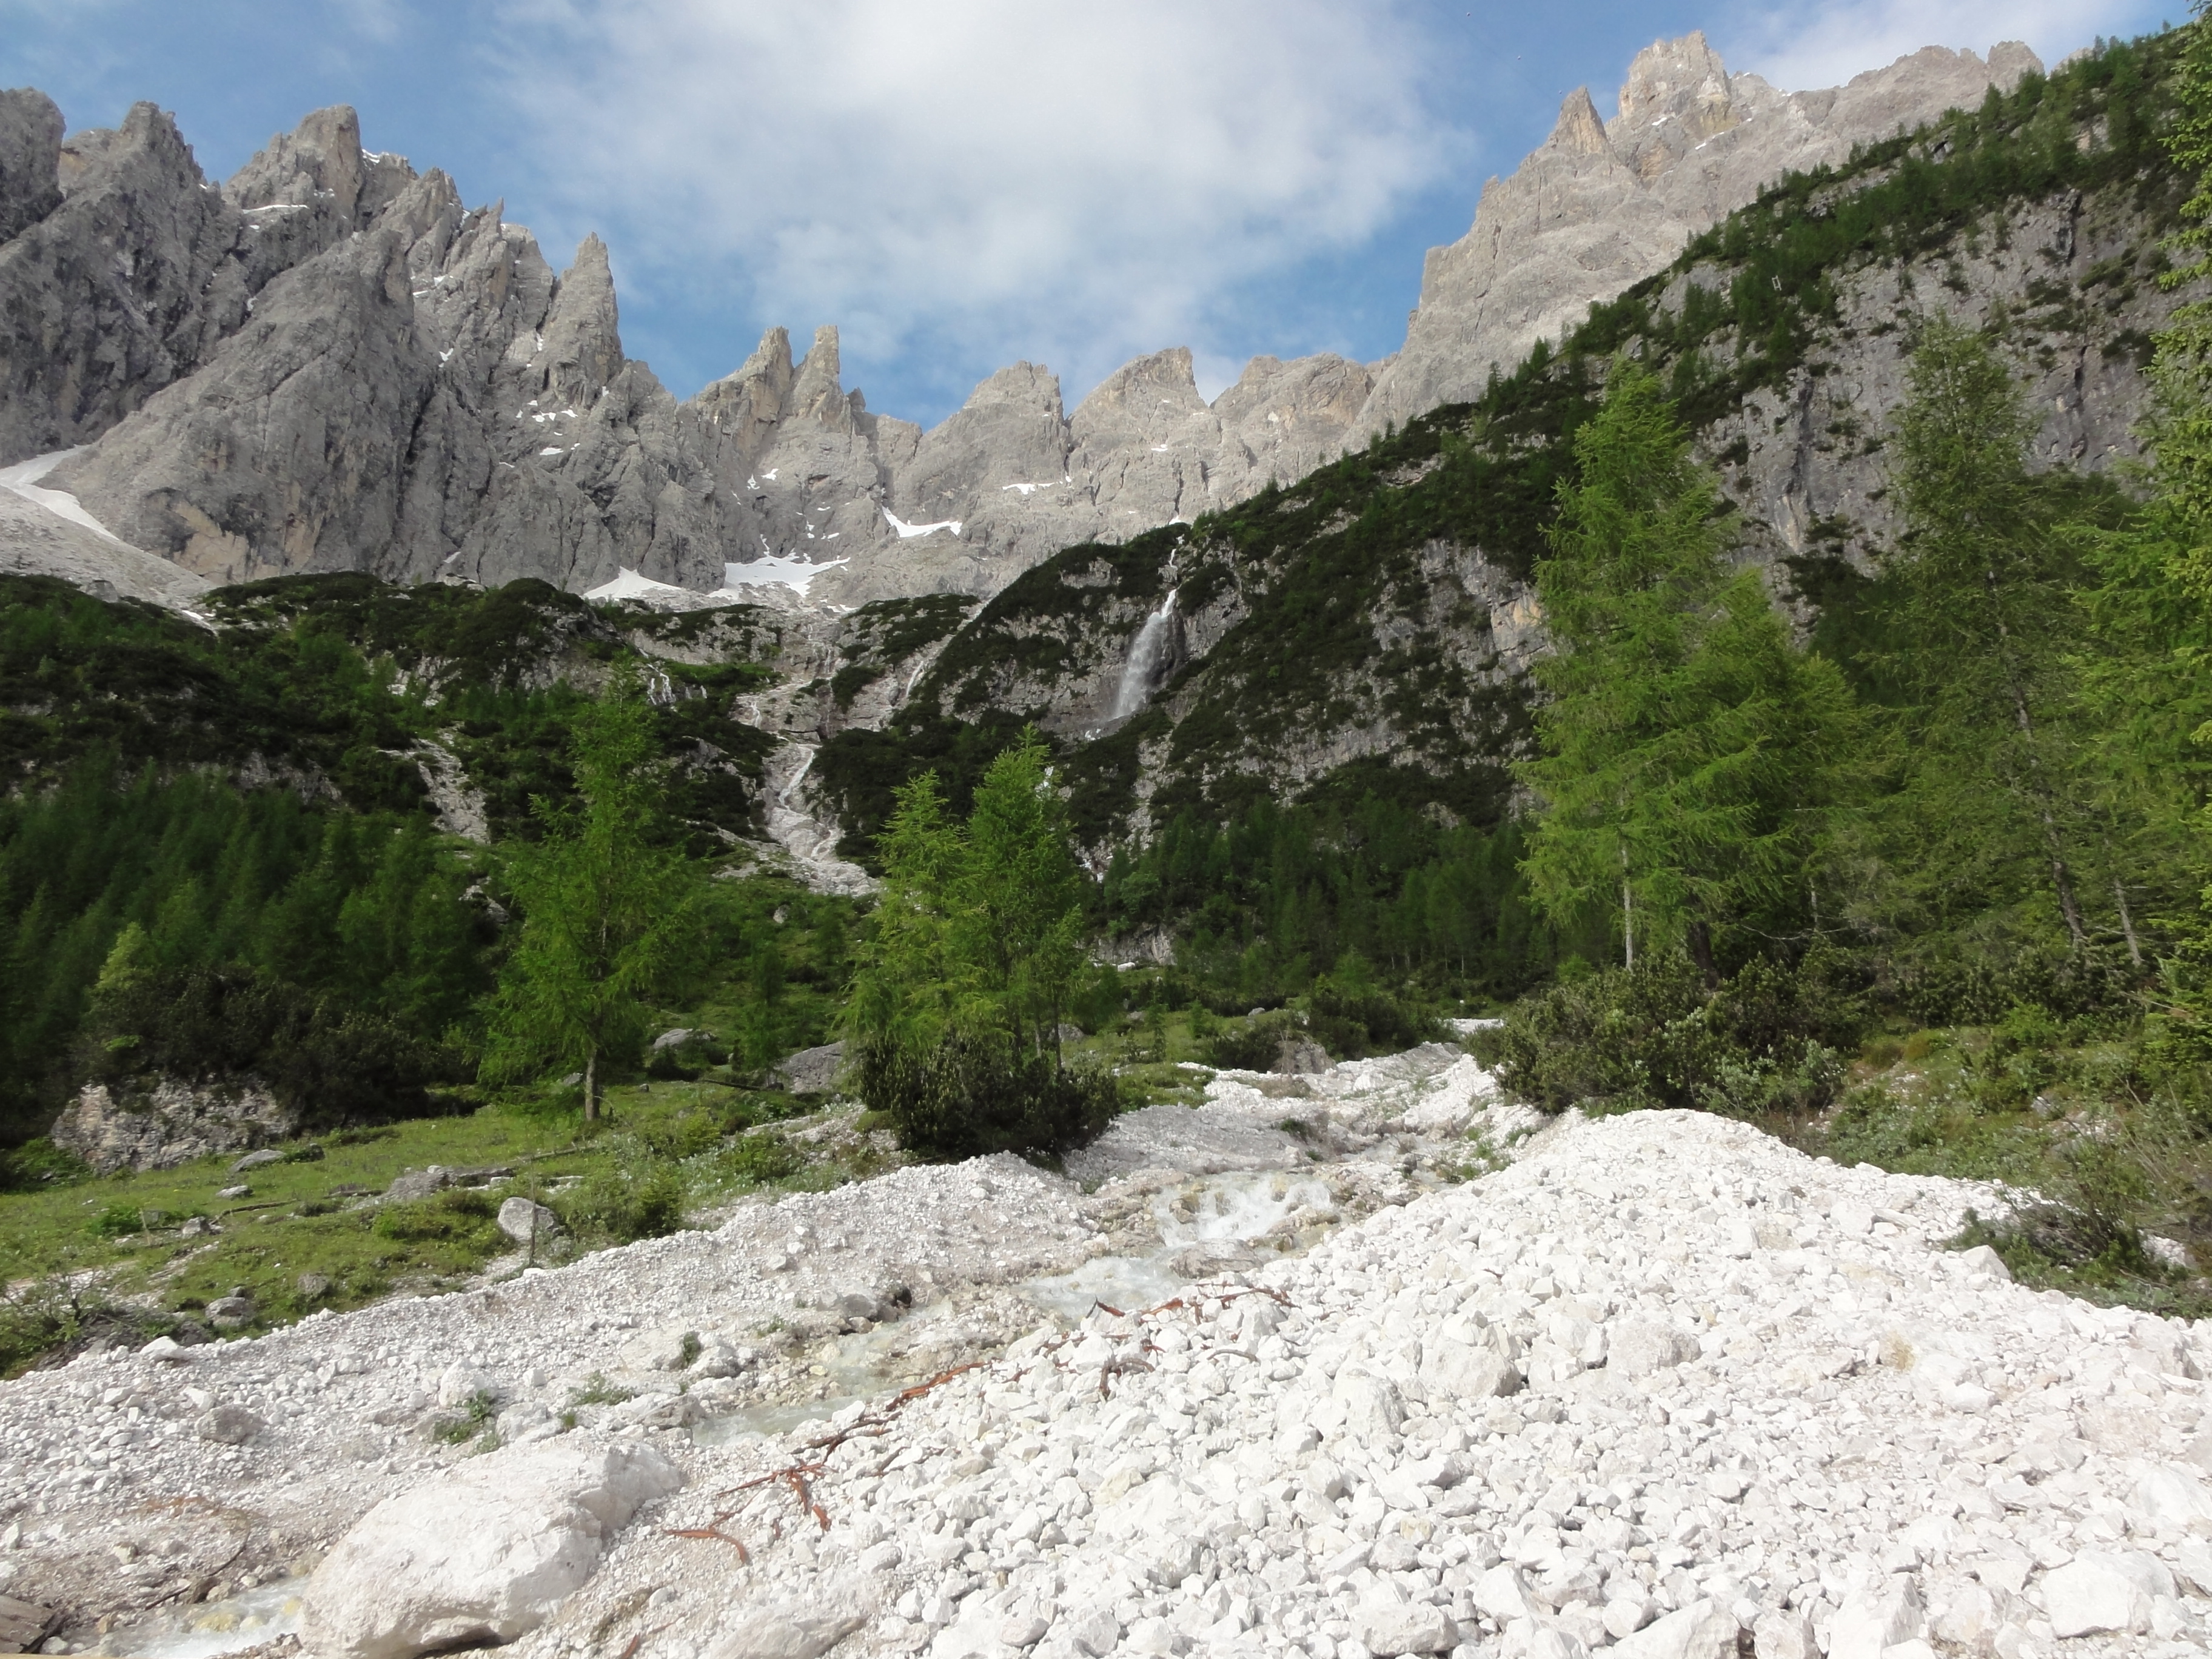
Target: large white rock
(1402,1627)
(1463,1371)
(2104,1591)
(479,1555)
(2167,1495)
(1638,1347)
(1373,1404)
(1703,1630)
(1877,1615)
(794,1631)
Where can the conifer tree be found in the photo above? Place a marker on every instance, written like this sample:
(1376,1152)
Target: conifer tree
(1983,608)
(1688,747)
(604,906)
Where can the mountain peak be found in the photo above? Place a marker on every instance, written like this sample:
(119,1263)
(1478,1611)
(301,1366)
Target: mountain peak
(1578,131)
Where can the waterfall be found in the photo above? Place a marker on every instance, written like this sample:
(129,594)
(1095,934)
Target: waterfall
(1144,652)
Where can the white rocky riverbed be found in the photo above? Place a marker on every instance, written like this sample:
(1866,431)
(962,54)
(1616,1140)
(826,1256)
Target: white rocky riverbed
(1664,1385)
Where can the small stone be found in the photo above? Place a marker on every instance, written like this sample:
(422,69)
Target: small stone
(312,1288)
(261,1159)
(241,1190)
(195,1226)
(227,1426)
(228,1313)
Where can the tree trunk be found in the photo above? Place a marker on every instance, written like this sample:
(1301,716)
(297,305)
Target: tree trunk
(2127,922)
(1701,952)
(2062,878)
(1627,915)
(591,1087)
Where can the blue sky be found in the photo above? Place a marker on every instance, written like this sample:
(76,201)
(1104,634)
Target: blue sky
(959,184)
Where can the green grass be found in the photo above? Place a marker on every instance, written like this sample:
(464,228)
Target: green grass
(316,1219)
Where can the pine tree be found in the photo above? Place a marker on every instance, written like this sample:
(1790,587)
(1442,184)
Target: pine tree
(1688,747)
(604,906)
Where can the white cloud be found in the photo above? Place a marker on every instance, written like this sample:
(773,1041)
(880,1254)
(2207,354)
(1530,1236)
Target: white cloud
(974,180)
(1798,46)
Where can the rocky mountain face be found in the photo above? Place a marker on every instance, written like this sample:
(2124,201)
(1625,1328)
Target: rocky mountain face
(1370,628)
(330,363)
(1602,205)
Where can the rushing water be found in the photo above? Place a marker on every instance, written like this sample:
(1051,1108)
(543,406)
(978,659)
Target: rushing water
(1145,653)
(1212,1209)
(244,1621)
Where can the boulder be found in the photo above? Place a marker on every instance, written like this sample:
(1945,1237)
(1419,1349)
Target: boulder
(410,1184)
(812,1071)
(527,1222)
(461,1383)
(790,1632)
(2110,1591)
(1467,1370)
(1876,1616)
(228,1313)
(481,1554)
(1373,1404)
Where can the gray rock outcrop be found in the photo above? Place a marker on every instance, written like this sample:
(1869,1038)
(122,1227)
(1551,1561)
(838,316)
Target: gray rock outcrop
(30,159)
(168,1123)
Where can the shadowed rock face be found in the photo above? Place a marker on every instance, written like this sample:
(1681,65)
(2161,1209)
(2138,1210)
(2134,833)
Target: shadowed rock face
(406,386)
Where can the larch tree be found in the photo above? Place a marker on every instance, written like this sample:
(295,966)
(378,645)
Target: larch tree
(605,906)
(1689,749)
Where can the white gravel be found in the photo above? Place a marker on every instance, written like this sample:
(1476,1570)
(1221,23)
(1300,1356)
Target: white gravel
(1758,1396)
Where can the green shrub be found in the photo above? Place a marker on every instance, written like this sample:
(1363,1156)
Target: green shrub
(38,1164)
(971,1095)
(686,1061)
(761,1158)
(642,1198)
(120,1220)
(459,1215)
(1768,1039)
(1249,1047)
(1354,1024)
(674,1129)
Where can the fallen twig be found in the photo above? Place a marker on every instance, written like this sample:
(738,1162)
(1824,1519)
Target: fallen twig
(713,1529)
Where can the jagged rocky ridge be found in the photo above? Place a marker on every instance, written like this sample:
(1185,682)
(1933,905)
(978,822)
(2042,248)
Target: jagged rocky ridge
(330,363)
